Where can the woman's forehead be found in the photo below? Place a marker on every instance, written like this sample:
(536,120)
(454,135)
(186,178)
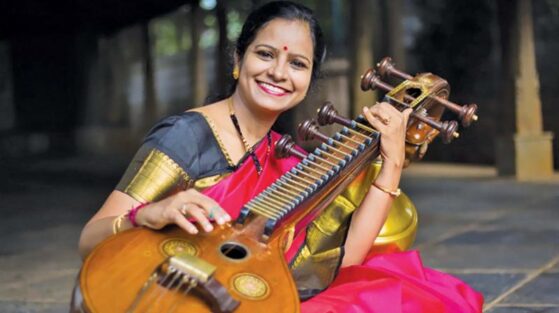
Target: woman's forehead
(293,35)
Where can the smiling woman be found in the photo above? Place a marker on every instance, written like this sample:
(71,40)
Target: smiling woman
(198,168)
(271,79)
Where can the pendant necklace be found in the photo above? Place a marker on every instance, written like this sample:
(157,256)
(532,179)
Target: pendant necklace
(248,148)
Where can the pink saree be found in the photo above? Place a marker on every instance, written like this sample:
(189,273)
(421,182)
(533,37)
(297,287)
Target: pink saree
(386,283)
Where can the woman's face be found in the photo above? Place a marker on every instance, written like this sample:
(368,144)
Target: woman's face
(275,72)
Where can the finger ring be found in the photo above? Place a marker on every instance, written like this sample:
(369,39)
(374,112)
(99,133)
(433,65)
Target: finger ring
(184,209)
(385,121)
(211,212)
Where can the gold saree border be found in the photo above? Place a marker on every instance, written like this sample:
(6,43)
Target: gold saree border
(206,182)
(217,138)
(157,175)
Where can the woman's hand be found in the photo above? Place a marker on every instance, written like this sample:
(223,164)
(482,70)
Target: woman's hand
(391,123)
(180,209)
(369,218)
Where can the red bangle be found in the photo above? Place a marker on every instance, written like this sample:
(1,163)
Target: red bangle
(133,212)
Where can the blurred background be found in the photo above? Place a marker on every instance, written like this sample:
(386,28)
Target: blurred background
(82,81)
(93,76)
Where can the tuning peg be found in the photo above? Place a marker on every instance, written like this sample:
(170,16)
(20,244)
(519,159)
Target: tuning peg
(286,147)
(448,129)
(386,68)
(468,114)
(308,130)
(327,115)
(371,80)
(368,80)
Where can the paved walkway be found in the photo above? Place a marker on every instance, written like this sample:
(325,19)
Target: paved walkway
(499,235)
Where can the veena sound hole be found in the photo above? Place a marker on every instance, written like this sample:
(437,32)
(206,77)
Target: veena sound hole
(233,251)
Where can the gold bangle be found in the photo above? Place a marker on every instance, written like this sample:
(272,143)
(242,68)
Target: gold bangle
(393,193)
(117,223)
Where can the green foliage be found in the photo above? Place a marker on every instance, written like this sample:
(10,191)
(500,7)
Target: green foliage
(234,24)
(165,34)
(210,21)
(171,38)
(209,38)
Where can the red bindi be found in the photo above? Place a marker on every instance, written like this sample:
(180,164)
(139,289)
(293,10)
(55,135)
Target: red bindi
(284,48)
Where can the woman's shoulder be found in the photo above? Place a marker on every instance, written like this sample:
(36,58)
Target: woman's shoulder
(180,137)
(177,124)
(210,111)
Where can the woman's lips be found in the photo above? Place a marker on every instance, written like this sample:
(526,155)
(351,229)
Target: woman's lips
(272,89)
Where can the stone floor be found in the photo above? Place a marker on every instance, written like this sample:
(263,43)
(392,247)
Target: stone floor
(500,236)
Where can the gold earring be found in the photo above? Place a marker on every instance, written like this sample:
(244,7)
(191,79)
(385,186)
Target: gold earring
(236,72)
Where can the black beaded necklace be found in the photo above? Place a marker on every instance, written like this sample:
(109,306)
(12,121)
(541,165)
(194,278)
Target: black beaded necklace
(248,148)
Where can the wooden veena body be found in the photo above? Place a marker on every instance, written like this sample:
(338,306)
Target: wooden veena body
(113,276)
(240,267)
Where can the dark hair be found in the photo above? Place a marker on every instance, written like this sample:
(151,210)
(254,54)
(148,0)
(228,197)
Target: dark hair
(289,11)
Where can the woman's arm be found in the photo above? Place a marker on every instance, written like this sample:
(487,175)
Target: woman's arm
(156,215)
(100,226)
(370,216)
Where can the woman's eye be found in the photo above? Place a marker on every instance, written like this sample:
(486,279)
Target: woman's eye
(264,54)
(299,64)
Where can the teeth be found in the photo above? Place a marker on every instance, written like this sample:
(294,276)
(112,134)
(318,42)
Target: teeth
(272,88)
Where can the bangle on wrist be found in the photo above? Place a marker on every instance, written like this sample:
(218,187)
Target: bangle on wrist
(133,212)
(117,223)
(393,193)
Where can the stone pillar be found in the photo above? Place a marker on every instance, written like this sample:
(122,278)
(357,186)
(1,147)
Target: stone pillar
(223,70)
(361,54)
(524,150)
(150,114)
(395,32)
(196,61)
(338,23)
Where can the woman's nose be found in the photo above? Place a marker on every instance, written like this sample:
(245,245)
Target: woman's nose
(278,71)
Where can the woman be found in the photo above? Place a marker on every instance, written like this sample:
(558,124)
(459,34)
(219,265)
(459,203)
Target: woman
(194,168)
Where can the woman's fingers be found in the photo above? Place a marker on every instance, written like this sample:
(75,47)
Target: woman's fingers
(211,207)
(181,207)
(218,214)
(197,213)
(407,113)
(384,116)
(180,220)
(373,119)
(391,123)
